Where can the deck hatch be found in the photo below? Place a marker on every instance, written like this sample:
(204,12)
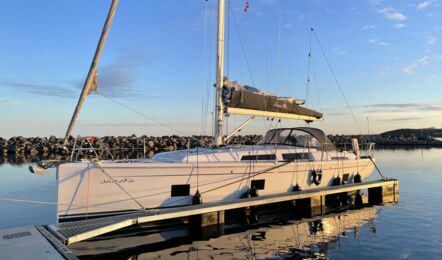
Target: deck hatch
(180,190)
(259,157)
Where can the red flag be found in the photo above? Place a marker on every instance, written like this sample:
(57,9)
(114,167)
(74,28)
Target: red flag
(246,8)
(92,139)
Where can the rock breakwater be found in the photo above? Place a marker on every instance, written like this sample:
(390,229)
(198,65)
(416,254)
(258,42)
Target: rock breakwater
(20,149)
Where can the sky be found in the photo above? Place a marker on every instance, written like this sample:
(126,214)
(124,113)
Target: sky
(374,65)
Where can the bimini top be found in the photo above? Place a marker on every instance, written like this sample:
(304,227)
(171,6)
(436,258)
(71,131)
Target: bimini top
(300,136)
(246,100)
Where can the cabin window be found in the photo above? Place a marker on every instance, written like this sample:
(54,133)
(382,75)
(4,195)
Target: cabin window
(258,184)
(259,157)
(339,158)
(295,156)
(291,137)
(180,190)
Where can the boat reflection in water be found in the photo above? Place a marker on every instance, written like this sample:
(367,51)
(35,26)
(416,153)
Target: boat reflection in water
(278,238)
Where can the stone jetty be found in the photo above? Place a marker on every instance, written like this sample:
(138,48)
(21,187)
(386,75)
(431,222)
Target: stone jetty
(20,149)
(17,150)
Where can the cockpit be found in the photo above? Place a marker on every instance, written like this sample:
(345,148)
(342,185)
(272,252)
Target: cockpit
(305,137)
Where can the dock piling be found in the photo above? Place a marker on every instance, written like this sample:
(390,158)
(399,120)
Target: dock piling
(310,207)
(384,194)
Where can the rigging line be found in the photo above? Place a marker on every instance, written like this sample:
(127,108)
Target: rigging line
(121,187)
(309,68)
(143,115)
(30,201)
(279,50)
(306,17)
(336,80)
(197,170)
(55,203)
(243,49)
(266,60)
(210,75)
(248,177)
(375,165)
(315,76)
(228,38)
(204,65)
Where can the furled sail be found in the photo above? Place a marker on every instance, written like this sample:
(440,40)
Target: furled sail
(246,100)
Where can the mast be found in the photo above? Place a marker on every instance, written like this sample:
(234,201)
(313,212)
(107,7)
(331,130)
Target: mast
(219,110)
(91,76)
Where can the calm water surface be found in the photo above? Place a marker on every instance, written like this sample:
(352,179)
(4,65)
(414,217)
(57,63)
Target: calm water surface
(410,230)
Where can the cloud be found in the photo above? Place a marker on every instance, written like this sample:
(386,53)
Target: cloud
(375,2)
(385,71)
(392,14)
(399,26)
(402,107)
(375,41)
(369,27)
(431,40)
(8,101)
(338,51)
(46,90)
(399,119)
(119,77)
(115,79)
(423,5)
(418,63)
(336,114)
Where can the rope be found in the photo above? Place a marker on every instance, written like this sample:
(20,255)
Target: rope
(146,117)
(250,176)
(379,171)
(203,110)
(336,80)
(309,68)
(233,182)
(116,183)
(228,38)
(197,170)
(29,201)
(141,114)
(55,203)
(243,49)
(278,82)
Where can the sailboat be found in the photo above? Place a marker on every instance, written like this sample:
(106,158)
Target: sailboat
(286,160)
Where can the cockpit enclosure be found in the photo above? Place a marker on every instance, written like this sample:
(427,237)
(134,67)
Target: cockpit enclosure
(300,136)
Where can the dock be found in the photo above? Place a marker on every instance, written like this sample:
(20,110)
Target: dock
(55,238)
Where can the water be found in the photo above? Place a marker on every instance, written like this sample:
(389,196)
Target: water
(410,230)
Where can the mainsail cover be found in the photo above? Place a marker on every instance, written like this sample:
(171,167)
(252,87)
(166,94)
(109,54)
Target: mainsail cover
(246,97)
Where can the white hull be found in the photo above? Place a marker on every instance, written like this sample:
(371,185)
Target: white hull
(88,187)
